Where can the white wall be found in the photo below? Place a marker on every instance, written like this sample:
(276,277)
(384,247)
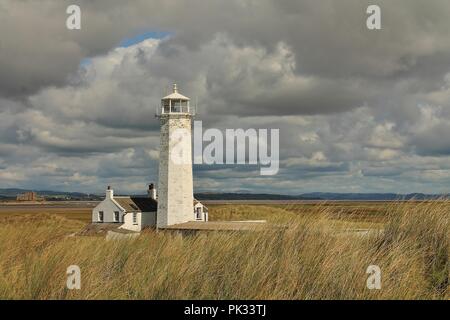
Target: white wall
(108,207)
(143,219)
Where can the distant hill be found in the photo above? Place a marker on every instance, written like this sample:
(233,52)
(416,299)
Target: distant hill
(11,193)
(249,196)
(317,196)
(371,196)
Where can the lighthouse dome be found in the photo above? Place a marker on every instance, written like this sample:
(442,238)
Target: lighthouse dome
(175,95)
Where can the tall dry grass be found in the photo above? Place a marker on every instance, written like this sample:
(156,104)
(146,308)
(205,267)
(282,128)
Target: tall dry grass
(315,258)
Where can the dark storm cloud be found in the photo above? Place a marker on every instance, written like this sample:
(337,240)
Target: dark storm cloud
(434,141)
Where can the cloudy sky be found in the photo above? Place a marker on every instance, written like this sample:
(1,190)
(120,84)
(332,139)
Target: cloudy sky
(358,110)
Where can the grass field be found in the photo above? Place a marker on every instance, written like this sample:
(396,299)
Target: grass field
(319,256)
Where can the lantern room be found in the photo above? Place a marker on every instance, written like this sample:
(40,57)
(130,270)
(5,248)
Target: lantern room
(175,103)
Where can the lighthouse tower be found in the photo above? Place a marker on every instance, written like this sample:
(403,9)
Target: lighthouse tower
(175,185)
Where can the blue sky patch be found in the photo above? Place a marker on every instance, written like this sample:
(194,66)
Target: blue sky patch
(85,62)
(127,42)
(130,41)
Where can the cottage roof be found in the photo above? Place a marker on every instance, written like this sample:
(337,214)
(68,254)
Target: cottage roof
(137,204)
(196,202)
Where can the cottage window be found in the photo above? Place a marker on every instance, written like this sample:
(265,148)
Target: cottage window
(198,213)
(116,216)
(100,216)
(134,218)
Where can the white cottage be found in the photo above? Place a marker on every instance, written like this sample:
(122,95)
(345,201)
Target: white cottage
(131,213)
(136,213)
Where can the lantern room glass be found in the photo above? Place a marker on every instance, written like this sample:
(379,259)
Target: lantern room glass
(175,106)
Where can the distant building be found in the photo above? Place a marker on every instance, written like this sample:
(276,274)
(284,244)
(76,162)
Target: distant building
(28,196)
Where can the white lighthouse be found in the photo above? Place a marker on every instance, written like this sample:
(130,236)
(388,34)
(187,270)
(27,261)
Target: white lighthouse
(175,185)
(174,203)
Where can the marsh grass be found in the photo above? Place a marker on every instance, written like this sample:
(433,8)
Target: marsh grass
(312,259)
